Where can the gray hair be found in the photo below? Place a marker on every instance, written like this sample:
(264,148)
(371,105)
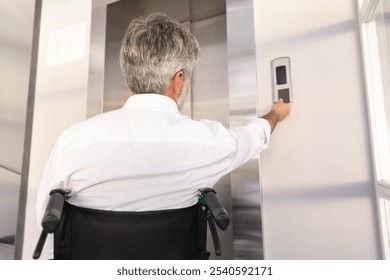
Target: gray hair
(153,49)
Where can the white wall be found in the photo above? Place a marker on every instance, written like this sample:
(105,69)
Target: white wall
(60,100)
(317,181)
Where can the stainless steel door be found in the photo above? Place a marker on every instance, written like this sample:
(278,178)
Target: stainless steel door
(16,21)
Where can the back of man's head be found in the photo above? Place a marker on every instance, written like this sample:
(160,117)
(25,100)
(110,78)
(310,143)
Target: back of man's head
(153,49)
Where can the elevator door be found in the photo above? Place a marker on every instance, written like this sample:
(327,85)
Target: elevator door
(15,55)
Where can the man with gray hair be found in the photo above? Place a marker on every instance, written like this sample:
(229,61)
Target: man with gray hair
(156,51)
(147,155)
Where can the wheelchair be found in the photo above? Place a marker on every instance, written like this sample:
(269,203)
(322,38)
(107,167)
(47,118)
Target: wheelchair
(92,234)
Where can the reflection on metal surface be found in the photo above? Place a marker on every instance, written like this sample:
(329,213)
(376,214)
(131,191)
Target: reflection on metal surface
(60,100)
(9,194)
(15,54)
(210,98)
(96,57)
(20,230)
(247,231)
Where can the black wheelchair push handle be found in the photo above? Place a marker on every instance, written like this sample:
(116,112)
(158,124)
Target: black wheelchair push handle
(51,218)
(219,213)
(53,212)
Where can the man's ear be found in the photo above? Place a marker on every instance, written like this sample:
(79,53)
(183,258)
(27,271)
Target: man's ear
(178,81)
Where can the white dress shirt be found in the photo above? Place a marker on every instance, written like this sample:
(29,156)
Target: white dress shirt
(146,156)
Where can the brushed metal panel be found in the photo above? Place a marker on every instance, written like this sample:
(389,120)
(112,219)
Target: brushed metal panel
(246,196)
(209,84)
(9,190)
(19,238)
(16,28)
(15,55)
(210,100)
(6,252)
(204,9)
(60,99)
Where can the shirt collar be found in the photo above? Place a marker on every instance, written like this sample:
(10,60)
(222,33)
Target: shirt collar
(151,101)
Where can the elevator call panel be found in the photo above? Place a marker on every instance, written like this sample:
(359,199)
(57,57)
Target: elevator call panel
(281,79)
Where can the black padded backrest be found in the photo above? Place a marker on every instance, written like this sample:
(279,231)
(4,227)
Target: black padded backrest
(97,234)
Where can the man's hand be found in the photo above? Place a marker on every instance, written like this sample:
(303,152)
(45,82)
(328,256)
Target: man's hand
(278,113)
(281,110)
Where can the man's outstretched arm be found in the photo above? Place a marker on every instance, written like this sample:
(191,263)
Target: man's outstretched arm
(278,113)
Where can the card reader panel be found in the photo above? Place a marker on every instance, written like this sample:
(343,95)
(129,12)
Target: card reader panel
(281,79)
